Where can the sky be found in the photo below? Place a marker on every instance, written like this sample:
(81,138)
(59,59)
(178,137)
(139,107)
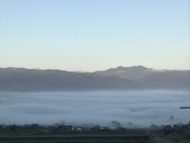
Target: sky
(90,35)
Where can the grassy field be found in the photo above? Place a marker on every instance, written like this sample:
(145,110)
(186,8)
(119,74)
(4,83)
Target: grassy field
(80,138)
(85,136)
(68,134)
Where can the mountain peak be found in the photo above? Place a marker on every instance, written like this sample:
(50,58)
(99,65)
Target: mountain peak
(133,72)
(133,68)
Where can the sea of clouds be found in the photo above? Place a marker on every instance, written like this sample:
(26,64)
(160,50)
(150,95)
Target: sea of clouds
(130,108)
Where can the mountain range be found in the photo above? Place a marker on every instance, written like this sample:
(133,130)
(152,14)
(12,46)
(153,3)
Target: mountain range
(119,78)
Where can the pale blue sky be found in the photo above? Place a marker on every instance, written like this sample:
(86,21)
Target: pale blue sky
(88,35)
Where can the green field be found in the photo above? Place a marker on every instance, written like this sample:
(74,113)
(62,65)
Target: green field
(63,134)
(80,138)
(96,134)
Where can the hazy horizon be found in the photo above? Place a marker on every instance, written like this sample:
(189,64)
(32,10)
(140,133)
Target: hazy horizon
(103,69)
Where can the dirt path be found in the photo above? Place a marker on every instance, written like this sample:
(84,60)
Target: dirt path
(163,140)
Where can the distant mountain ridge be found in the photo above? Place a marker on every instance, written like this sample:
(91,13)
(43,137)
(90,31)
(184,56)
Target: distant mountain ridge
(119,78)
(134,72)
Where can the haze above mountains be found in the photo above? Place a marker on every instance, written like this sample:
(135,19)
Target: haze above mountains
(119,78)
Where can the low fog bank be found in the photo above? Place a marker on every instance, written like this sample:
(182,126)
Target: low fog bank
(130,108)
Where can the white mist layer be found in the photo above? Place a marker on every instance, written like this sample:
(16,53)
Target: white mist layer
(138,108)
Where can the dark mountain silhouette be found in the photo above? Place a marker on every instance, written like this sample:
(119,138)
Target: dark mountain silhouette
(125,78)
